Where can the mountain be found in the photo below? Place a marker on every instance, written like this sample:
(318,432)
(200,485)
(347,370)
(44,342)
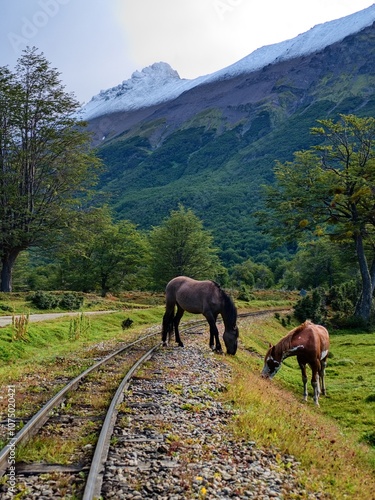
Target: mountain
(210,143)
(160,83)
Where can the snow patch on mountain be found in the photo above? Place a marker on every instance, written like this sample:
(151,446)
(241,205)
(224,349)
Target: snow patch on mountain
(160,83)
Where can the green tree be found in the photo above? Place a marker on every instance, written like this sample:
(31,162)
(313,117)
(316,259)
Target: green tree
(181,246)
(252,274)
(119,257)
(318,263)
(99,254)
(330,190)
(45,158)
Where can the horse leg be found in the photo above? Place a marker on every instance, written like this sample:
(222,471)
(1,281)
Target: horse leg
(315,382)
(304,380)
(167,323)
(176,321)
(322,373)
(214,334)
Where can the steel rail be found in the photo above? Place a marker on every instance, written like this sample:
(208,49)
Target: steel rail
(39,419)
(95,478)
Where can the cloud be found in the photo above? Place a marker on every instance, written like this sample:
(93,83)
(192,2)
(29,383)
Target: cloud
(198,37)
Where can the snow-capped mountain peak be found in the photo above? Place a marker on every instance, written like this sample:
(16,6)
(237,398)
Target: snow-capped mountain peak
(156,83)
(159,82)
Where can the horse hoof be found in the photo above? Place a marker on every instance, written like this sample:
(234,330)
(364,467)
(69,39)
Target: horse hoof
(219,351)
(165,344)
(181,344)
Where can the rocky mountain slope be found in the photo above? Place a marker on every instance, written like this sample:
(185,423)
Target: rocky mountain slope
(212,146)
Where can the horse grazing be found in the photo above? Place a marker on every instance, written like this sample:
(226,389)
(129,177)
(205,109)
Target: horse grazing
(200,297)
(310,343)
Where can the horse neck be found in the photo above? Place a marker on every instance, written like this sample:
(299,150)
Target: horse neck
(283,349)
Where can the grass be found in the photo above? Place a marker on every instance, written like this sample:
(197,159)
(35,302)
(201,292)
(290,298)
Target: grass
(51,354)
(54,338)
(329,440)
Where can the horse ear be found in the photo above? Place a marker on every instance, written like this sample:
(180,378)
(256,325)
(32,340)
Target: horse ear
(270,345)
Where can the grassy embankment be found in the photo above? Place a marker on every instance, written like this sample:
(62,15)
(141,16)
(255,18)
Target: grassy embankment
(334,443)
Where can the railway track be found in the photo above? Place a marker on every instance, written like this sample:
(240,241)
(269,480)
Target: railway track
(74,395)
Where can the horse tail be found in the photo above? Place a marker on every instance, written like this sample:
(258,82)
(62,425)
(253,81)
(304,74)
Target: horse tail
(168,322)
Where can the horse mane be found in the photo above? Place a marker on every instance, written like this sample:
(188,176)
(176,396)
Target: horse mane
(285,341)
(301,327)
(230,310)
(216,284)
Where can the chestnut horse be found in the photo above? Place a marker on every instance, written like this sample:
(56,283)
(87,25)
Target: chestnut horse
(200,297)
(310,343)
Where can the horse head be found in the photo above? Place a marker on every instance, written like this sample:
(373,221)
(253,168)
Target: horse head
(230,338)
(271,365)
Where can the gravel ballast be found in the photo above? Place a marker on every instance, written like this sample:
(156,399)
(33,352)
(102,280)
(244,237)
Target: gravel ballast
(172,443)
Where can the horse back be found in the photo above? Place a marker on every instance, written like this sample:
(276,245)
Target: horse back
(192,295)
(313,338)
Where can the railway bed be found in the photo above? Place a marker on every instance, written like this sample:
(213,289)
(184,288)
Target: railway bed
(168,435)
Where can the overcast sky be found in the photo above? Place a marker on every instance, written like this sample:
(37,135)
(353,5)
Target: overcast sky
(96,44)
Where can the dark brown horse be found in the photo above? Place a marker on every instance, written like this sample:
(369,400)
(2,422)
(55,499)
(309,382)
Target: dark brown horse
(310,343)
(200,297)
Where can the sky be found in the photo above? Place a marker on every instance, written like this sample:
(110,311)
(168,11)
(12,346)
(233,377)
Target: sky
(97,44)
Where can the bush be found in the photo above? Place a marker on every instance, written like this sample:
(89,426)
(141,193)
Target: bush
(44,300)
(48,300)
(5,308)
(342,298)
(312,307)
(245,294)
(71,301)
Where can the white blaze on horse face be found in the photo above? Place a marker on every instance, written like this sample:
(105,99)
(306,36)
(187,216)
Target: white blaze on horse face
(271,367)
(324,354)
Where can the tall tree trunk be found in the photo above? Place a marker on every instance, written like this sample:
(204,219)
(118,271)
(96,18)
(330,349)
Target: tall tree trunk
(104,285)
(363,306)
(7,263)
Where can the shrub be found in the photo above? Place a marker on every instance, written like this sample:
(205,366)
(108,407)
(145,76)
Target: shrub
(312,307)
(48,300)
(44,300)
(245,294)
(5,308)
(343,297)
(126,323)
(71,301)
